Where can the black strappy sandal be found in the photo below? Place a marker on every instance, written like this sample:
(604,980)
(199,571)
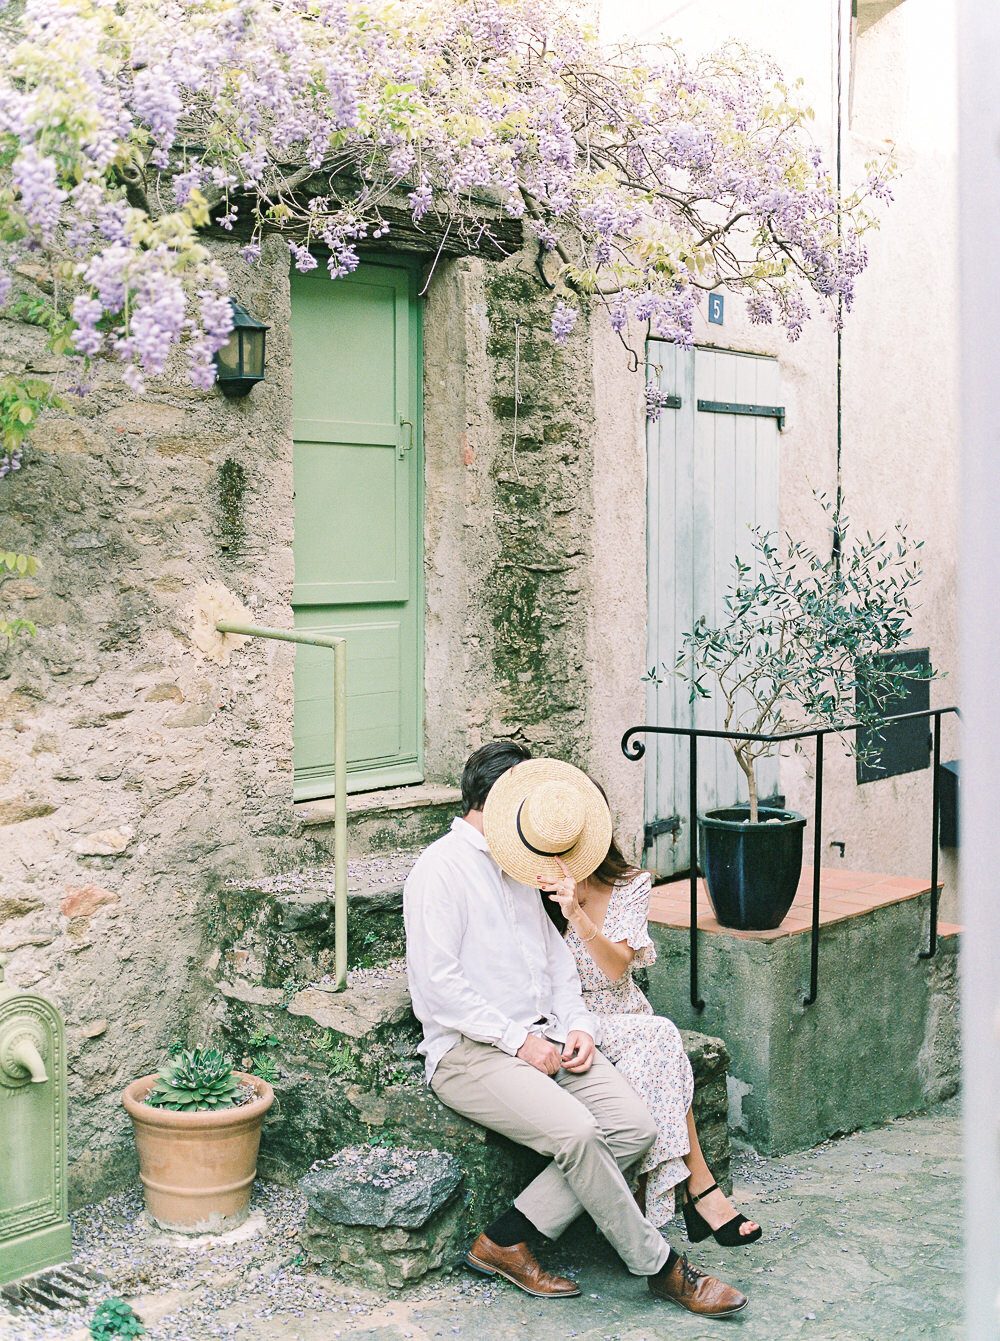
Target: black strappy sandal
(726,1236)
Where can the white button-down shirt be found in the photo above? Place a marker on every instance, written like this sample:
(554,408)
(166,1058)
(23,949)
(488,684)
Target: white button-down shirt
(483,958)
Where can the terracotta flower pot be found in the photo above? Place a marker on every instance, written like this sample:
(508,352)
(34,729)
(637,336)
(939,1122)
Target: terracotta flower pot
(197,1169)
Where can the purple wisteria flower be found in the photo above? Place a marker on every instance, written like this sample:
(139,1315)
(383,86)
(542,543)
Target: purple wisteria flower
(651,176)
(420,200)
(36,180)
(303,257)
(656,401)
(87,312)
(11,461)
(563,321)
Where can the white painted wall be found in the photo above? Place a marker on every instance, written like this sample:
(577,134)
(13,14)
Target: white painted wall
(980,283)
(900,422)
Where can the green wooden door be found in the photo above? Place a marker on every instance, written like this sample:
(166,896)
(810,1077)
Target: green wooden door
(358,522)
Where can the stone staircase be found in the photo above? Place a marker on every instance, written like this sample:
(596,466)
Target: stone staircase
(345,1065)
(399,819)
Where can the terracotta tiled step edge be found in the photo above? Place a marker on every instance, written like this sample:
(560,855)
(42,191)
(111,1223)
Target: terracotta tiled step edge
(843,894)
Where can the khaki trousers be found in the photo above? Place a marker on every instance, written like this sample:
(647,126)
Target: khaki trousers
(593,1125)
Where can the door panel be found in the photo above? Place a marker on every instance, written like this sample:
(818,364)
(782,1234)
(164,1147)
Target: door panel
(365,556)
(358,522)
(710,477)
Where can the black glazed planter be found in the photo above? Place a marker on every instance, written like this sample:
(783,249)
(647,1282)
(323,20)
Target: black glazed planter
(752,870)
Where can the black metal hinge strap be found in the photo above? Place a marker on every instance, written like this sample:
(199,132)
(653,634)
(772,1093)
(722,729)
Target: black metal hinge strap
(652,831)
(732,407)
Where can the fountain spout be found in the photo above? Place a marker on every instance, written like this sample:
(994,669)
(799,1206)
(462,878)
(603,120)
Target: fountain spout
(27,1055)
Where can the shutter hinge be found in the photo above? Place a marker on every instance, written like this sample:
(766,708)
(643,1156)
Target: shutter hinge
(657,828)
(732,407)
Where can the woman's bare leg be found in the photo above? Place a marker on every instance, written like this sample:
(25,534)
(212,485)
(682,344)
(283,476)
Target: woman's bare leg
(715,1208)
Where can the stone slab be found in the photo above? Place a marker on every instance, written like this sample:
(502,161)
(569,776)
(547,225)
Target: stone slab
(385,821)
(379,1187)
(382,1000)
(882,1038)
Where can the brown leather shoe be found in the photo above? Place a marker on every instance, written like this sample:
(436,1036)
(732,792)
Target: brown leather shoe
(518,1265)
(684,1284)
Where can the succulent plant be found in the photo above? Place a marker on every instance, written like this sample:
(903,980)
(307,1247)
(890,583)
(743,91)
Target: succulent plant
(195,1080)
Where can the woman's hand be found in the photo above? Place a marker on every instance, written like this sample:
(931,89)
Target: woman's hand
(563,892)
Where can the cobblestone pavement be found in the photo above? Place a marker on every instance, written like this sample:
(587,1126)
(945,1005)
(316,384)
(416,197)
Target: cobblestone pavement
(862,1241)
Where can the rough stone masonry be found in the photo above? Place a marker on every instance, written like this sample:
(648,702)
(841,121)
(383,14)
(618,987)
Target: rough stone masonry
(137,775)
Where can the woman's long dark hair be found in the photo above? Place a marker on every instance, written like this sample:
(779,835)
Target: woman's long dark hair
(613,868)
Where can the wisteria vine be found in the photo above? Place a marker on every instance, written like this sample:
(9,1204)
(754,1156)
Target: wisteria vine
(127,129)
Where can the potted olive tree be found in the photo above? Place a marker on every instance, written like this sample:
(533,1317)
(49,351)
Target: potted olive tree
(197,1131)
(806,641)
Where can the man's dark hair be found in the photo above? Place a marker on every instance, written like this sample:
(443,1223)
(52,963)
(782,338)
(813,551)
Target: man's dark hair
(484,766)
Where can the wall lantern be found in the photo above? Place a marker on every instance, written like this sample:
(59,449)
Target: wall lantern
(239,364)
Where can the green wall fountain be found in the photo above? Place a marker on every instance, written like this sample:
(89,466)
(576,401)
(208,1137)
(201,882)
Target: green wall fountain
(34,1225)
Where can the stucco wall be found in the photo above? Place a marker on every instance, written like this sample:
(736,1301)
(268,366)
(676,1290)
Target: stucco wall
(900,400)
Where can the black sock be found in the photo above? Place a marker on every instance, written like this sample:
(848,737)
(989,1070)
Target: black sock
(510,1228)
(672,1257)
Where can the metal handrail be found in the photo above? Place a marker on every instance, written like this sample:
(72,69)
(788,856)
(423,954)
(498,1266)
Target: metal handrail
(338,646)
(634,749)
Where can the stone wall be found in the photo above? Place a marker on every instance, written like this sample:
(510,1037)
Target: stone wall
(535,548)
(138,776)
(135,775)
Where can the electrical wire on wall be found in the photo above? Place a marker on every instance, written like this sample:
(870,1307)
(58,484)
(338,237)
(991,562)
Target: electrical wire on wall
(837,534)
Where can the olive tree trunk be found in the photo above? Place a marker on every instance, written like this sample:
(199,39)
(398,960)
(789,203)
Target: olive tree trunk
(745,762)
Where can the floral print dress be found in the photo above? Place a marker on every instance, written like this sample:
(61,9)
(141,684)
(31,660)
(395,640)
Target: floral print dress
(646,1048)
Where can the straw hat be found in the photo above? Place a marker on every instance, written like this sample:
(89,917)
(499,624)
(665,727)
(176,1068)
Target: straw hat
(543,808)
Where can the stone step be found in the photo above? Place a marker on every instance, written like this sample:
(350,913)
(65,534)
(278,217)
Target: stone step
(399,819)
(346,1071)
(280,930)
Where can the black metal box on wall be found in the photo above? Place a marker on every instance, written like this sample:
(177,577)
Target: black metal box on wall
(948,778)
(906,746)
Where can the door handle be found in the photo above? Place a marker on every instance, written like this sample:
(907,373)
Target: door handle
(402,449)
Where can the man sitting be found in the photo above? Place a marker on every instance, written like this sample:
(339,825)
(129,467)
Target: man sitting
(508,1041)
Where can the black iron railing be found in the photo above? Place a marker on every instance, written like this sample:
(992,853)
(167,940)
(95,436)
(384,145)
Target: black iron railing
(634,748)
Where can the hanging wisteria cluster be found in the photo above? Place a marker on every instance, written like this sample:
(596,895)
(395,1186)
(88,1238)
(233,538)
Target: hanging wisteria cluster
(126,129)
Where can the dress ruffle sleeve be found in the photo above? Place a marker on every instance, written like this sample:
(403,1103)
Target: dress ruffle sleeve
(629,921)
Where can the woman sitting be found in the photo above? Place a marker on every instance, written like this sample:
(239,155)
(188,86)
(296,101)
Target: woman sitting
(605,921)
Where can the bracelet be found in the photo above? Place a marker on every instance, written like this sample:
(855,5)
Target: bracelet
(587,939)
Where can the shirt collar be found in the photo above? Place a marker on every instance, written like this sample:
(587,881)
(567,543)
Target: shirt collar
(471,835)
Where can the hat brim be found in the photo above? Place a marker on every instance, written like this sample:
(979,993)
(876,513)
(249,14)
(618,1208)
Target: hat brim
(508,848)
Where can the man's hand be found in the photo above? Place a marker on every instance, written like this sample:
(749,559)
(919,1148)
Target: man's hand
(543,1055)
(578,1054)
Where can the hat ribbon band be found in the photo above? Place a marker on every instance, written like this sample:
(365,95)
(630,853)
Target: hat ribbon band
(539,852)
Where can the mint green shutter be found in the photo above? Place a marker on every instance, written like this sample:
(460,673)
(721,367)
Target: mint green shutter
(358,507)
(710,477)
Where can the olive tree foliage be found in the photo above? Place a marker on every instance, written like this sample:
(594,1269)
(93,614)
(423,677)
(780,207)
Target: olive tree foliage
(127,129)
(806,640)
